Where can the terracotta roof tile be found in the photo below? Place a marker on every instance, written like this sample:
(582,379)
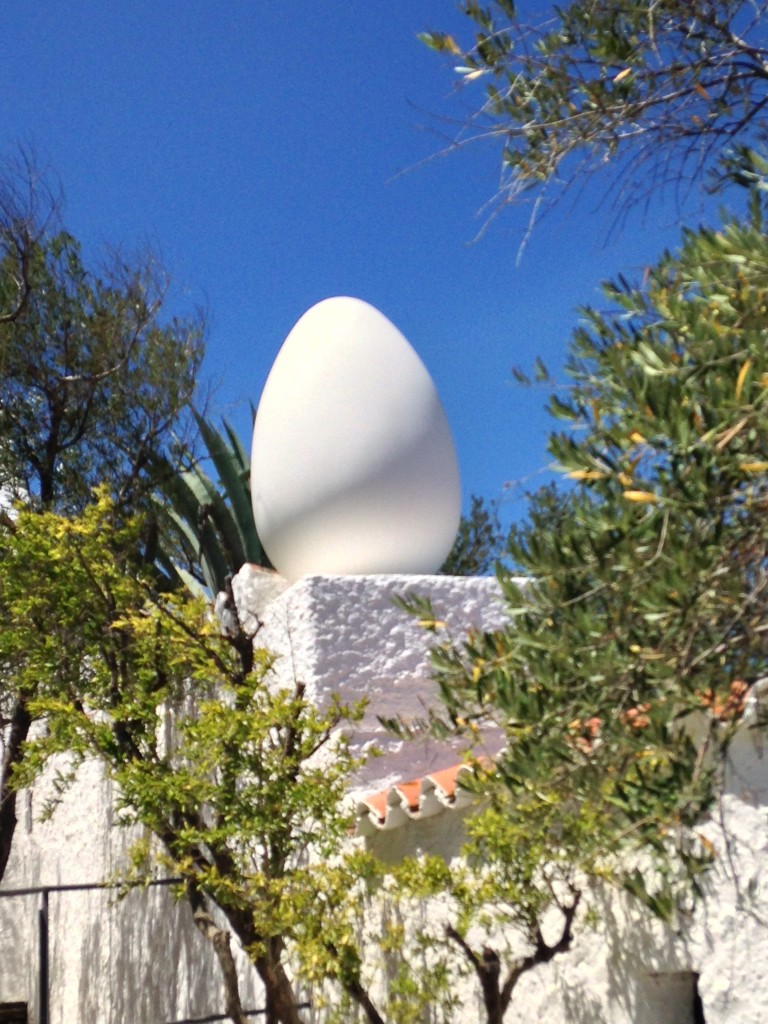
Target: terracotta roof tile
(410,794)
(412,800)
(377,802)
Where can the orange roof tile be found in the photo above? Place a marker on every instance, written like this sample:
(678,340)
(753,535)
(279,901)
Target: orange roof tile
(410,793)
(415,799)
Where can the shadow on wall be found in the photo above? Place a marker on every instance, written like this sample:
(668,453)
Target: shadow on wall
(140,958)
(580,1005)
(18,938)
(747,768)
(650,967)
(444,834)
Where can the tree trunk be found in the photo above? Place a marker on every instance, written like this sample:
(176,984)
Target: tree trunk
(356,990)
(281,1000)
(20,722)
(487,967)
(280,997)
(219,939)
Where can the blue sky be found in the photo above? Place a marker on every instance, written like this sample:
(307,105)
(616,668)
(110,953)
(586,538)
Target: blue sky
(277,154)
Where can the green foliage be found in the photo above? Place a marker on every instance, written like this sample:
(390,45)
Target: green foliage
(478,543)
(624,673)
(650,87)
(94,381)
(389,927)
(240,784)
(637,627)
(91,380)
(474,916)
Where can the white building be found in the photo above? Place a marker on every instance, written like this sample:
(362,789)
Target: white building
(74,954)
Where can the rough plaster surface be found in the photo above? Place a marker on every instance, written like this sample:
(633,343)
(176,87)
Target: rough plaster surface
(140,960)
(135,960)
(344,634)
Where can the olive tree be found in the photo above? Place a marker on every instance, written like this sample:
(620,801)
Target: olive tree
(648,597)
(659,89)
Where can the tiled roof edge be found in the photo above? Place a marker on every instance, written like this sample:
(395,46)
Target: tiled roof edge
(413,800)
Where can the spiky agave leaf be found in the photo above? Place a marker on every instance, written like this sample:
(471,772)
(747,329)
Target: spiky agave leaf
(214,521)
(233,469)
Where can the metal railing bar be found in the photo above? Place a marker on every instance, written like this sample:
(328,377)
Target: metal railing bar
(224,1016)
(37,890)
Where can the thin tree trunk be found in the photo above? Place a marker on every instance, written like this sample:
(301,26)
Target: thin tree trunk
(219,939)
(20,723)
(280,997)
(487,965)
(488,970)
(360,995)
(357,991)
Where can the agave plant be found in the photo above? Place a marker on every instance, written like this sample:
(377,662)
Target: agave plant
(213,522)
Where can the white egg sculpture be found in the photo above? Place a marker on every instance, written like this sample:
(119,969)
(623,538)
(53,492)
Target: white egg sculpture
(353,468)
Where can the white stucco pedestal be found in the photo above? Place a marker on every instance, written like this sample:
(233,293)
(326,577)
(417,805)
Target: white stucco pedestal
(344,634)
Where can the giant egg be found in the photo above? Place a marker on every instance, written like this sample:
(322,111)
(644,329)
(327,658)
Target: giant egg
(353,468)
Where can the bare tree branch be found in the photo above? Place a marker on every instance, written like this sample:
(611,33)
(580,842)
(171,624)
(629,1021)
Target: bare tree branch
(487,963)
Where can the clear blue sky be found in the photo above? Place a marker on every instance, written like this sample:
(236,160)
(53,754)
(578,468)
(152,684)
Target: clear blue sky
(275,154)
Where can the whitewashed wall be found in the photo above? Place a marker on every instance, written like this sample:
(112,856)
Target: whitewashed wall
(343,633)
(141,961)
(630,971)
(129,961)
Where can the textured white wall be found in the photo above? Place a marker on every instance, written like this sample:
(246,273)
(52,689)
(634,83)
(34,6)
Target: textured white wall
(140,961)
(344,633)
(626,972)
(630,968)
